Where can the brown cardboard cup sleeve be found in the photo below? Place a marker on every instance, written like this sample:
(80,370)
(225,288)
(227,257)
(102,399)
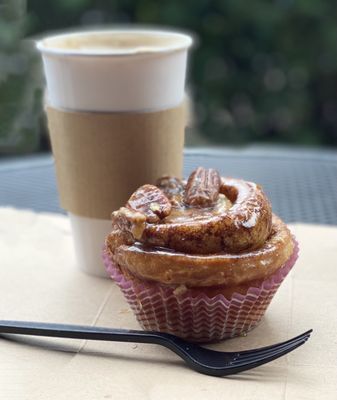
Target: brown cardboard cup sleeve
(101,158)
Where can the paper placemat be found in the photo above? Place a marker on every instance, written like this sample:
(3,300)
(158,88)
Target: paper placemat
(40,281)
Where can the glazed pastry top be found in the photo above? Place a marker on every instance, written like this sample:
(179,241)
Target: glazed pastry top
(203,232)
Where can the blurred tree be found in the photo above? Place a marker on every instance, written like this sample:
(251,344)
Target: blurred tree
(261,72)
(20,82)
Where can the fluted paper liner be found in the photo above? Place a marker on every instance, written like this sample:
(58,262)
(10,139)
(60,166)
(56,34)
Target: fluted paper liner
(193,315)
(102,158)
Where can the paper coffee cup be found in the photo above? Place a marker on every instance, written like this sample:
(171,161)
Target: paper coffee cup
(114,72)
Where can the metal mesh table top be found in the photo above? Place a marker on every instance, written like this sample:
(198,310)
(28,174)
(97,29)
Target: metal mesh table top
(302,186)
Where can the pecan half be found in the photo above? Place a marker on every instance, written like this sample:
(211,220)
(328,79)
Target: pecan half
(172,187)
(131,223)
(202,189)
(150,201)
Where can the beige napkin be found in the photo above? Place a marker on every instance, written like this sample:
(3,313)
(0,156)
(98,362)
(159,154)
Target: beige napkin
(39,281)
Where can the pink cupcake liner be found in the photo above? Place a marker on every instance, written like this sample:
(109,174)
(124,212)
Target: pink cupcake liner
(193,315)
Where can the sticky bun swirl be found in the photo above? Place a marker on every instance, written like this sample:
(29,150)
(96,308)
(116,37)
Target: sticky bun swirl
(207,232)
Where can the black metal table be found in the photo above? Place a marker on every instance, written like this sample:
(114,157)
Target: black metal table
(301,184)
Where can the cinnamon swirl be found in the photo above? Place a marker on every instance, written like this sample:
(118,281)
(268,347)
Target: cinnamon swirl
(209,236)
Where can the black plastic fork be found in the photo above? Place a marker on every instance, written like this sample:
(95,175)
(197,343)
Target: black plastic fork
(205,361)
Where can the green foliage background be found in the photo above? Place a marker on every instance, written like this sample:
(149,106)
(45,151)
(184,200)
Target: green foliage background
(262,71)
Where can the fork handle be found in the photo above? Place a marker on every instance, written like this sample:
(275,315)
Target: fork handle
(83,332)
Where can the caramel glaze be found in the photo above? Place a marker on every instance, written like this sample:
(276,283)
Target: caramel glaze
(244,225)
(220,272)
(233,243)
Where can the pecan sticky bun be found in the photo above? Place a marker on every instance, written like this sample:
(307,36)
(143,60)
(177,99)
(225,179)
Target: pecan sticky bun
(209,232)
